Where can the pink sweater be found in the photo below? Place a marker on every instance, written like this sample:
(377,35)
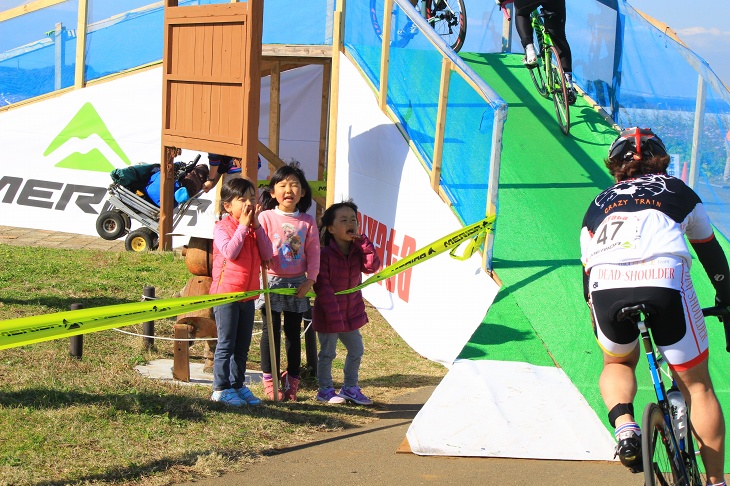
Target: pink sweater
(295,242)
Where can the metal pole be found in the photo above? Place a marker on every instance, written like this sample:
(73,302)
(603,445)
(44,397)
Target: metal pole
(58,44)
(77,342)
(148,328)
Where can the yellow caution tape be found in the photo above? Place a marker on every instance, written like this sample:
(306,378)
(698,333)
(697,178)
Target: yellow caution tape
(34,329)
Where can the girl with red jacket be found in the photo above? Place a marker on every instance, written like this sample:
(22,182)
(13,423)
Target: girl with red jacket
(345,255)
(239,245)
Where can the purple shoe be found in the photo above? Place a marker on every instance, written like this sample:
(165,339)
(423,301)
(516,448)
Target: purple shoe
(328,395)
(353,394)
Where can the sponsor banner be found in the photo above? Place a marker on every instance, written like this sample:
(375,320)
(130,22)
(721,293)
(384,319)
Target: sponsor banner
(436,306)
(57,154)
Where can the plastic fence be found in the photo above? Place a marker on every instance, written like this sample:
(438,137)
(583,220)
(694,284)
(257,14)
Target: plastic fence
(473,111)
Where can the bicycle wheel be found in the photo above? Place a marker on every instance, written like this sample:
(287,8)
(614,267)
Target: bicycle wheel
(448,19)
(538,79)
(559,91)
(659,468)
(401,34)
(690,459)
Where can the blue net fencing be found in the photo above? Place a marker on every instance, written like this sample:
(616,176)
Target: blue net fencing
(474,112)
(122,35)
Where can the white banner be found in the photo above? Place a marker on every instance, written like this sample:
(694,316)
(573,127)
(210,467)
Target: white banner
(57,153)
(436,305)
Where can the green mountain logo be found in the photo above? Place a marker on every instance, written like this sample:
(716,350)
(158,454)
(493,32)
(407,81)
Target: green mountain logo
(84,124)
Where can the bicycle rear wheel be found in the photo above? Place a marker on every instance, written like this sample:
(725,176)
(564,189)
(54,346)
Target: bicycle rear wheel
(448,19)
(659,467)
(401,33)
(559,91)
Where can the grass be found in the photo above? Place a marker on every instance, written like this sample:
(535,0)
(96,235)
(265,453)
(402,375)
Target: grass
(98,421)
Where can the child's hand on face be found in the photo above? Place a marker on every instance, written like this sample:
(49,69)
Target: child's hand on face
(304,288)
(248,215)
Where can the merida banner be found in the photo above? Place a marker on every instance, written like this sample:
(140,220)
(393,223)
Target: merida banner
(56,154)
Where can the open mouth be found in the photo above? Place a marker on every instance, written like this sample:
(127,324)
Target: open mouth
(350,231)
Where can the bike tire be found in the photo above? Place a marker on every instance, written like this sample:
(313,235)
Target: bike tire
(559,91)
(538,79)
(659,469)
(448,19)
(399,35)
(690,459)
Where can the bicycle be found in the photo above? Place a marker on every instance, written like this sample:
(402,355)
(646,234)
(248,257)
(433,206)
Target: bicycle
(446,17)
(668,454)
(548,76)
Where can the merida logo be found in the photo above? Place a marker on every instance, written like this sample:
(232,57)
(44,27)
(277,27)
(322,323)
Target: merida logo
(90,130)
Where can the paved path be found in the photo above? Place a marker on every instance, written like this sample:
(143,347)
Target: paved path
(34,237)
(368,455)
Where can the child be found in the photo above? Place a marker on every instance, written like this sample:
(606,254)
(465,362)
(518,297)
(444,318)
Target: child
(239,245)
(346,254)
(293,234)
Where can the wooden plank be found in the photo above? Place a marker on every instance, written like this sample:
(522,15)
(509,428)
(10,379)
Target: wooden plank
(274,112)
(337,47)
(81,44)
(323,119)
(28,8)
(438,144)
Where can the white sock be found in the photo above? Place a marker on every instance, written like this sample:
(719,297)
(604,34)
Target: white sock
(569,79)
(530,52)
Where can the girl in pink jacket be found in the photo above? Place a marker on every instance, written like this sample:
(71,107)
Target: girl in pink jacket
(345,255)
(239,245)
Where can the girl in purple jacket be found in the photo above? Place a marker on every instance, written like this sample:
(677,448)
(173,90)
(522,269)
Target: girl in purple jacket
(345,255)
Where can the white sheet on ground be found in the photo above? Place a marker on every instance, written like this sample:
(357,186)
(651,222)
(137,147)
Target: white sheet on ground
(509,409)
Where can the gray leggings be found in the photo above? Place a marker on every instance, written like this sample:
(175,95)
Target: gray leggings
(328,350)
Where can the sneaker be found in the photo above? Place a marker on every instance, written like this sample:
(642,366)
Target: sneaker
(628,451)
(328,395)
(228,396)
(530,59)
(353,394)
(571,96)
(247,396)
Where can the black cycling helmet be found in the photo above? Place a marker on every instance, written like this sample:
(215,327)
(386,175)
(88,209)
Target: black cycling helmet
(636,143)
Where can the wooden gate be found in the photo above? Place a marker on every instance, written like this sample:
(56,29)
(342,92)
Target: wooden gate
(211,88)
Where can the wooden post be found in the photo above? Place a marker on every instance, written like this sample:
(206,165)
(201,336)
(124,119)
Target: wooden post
(270,329)
(181,354)
(59,57)
(77,342)
(385,53)
(274,111)
(438,144)
(334,95)
(148,328)
(79,79)
(167,197)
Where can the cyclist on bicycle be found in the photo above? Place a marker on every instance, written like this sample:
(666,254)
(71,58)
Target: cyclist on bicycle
(554,15)
(634,252)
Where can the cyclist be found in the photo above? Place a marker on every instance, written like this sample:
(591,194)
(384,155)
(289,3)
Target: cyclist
(634,251)
(554,14)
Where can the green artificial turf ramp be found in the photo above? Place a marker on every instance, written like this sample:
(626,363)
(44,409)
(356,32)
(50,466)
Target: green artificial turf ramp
(546,183)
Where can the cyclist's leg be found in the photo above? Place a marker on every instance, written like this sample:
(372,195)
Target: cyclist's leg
(554,11)
(618,381)
(706,417)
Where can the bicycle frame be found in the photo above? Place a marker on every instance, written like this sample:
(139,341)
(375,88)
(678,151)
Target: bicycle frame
(548,76)
(676,446)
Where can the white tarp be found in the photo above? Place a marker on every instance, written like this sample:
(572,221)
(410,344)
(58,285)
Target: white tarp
(57,154)
(509,409)
(437,305)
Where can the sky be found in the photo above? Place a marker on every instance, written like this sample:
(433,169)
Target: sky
(703,26)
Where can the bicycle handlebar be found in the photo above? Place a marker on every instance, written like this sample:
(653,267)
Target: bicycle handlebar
(723,314)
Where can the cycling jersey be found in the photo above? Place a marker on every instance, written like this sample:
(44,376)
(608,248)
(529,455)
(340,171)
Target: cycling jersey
(634,251)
